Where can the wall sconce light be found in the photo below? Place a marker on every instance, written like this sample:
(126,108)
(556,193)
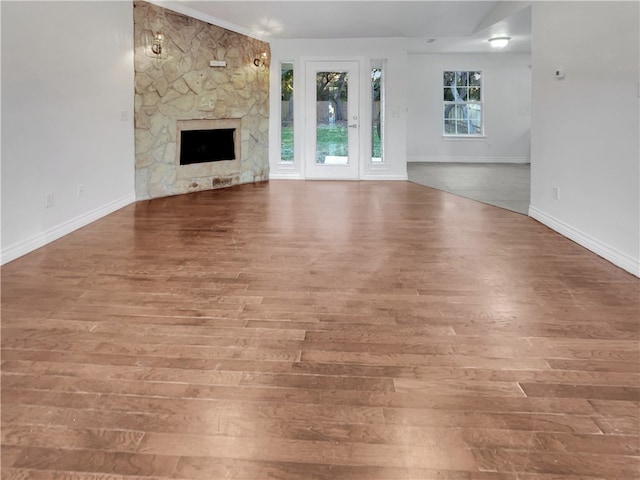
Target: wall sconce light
(158,43)
(499,42)
(260,61)
(154,44)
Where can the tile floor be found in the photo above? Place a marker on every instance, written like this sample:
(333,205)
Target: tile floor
(505,185)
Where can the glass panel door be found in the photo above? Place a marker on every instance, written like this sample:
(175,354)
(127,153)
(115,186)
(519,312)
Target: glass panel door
(332,113)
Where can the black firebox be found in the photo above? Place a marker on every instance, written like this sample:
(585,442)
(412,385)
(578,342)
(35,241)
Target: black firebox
(202,146)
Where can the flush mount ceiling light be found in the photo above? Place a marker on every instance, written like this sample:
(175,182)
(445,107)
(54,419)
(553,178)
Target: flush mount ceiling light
(499,42)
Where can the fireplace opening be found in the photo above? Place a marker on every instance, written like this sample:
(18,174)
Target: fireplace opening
(202,146)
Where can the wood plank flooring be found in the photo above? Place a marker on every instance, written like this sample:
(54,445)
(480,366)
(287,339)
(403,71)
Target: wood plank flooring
(319,331)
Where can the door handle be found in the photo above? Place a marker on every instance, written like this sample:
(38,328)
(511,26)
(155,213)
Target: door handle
(353,125)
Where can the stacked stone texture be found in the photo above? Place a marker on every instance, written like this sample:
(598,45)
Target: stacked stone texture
(182,86)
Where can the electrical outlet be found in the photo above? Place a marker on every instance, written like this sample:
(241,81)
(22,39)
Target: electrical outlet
(80,190)
(48,203)
(556,193)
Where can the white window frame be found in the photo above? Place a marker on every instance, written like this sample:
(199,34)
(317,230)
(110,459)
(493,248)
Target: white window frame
(382,65)
(446,103)
(280,159)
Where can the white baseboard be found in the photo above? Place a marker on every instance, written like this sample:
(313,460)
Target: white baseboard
(620,259)
(40,240)
(285,176)
(373,176)
(465,159)
(297,176)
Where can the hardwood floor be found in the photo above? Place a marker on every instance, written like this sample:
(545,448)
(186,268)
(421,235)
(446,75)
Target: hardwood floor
(319,331)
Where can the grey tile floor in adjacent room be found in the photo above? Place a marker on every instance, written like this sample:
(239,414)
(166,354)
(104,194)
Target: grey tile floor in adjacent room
(505,185)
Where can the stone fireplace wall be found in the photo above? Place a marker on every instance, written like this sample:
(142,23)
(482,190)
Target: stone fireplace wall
(182,86)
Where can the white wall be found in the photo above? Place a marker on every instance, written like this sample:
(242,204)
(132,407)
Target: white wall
(585,128)
(67,110)
(507,106)
(393,50)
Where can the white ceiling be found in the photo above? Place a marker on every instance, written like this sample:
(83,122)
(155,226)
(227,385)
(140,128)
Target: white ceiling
(456,26)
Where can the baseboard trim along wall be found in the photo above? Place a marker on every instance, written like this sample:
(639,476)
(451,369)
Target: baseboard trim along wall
(395,178)
(285,176)
(466,159)
(620,259)
(40,240)
(297,176)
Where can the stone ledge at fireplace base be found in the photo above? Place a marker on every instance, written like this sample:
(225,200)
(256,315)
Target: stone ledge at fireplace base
(213,183)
